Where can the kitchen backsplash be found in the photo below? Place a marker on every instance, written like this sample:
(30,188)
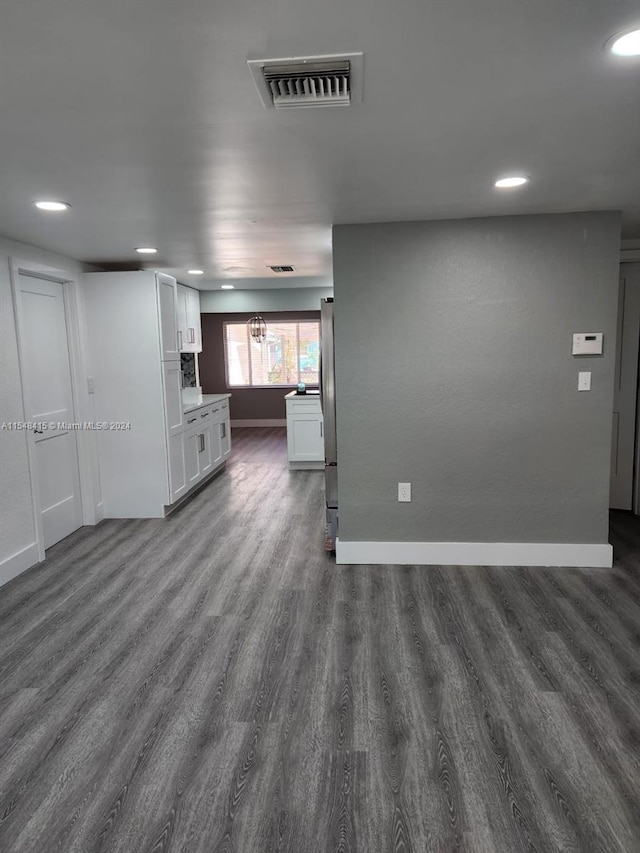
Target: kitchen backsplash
(188,366)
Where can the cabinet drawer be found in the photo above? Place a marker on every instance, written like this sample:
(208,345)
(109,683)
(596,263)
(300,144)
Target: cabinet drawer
(218,413)
(309,407)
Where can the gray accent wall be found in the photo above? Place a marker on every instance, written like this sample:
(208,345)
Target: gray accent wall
(454,373)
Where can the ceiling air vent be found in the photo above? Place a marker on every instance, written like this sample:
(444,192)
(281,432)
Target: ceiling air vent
(313,81)
(281,269)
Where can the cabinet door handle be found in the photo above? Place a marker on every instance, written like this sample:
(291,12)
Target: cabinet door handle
(179,340)
(223,430)
(191,420)
(181,372)
(201,442)
(214,411)
(321,430)
(205,415)
(192,335)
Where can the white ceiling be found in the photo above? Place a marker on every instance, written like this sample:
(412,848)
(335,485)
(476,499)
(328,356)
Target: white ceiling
(143,115)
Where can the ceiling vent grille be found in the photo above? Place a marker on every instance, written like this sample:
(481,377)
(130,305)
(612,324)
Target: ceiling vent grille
(284,268)
(314,81)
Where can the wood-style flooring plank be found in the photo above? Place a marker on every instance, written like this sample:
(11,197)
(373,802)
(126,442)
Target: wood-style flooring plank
(214,683)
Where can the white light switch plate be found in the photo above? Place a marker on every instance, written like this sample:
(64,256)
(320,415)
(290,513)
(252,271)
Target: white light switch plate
(584,381)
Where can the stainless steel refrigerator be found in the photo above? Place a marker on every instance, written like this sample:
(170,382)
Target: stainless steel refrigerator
(328,399)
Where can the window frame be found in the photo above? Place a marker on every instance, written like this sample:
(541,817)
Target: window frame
(297,323)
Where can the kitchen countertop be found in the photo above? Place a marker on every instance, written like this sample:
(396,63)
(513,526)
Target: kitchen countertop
(294,395)
(203,400)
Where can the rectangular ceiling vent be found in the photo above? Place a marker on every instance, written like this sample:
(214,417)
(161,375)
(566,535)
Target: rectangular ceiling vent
(313,81)
(285,268)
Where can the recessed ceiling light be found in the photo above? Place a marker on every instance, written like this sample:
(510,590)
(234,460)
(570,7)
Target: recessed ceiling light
(227,286)
(512,181)
(146,250)
(195,272)
(625,44)
(52,205)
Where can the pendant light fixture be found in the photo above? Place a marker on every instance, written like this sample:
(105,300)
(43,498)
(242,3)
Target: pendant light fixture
(257,328)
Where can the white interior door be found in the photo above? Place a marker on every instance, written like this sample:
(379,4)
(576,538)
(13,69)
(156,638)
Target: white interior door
(623,432)
(48,400)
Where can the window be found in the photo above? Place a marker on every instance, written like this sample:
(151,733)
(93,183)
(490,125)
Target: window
(289,354)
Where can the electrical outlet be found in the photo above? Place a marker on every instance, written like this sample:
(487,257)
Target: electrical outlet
(404,492)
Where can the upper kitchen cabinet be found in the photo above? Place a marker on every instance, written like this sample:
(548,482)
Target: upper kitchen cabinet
(168,316)
(189,327)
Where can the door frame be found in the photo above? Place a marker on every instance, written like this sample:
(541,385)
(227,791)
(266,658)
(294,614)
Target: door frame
(77,360)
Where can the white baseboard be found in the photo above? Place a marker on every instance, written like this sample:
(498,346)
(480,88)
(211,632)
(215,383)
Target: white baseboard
(259,422)
(14,565)
(474,554)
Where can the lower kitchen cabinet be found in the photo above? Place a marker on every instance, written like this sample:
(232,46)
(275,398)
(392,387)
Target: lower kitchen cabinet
(305,426)
(225,438)
(203,441)
(178,485)
(174,423)
(192,442)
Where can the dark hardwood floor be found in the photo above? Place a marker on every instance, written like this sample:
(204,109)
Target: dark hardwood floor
(213,682)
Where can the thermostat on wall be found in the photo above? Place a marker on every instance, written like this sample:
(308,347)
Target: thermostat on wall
(587,343)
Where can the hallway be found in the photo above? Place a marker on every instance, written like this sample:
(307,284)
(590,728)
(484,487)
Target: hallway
(214,682)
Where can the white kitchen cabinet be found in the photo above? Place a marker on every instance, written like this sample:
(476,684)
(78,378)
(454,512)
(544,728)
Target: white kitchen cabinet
(225,438)
(181,314)
(177,466)
(205,449)
(166,289)
(207,458)
(174,422)
(152,459)
(194,323)
(192,456)
(189,324)
(305,439)
(203,444)
(172,387)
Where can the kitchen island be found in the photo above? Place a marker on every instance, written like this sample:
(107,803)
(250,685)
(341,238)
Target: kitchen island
(305,431)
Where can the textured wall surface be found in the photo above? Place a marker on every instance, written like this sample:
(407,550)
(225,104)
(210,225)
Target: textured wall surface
(245,403)
(454,372)
(16,514)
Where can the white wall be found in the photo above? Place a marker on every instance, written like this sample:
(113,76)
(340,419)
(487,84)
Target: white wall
(17,533)
(291,299)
